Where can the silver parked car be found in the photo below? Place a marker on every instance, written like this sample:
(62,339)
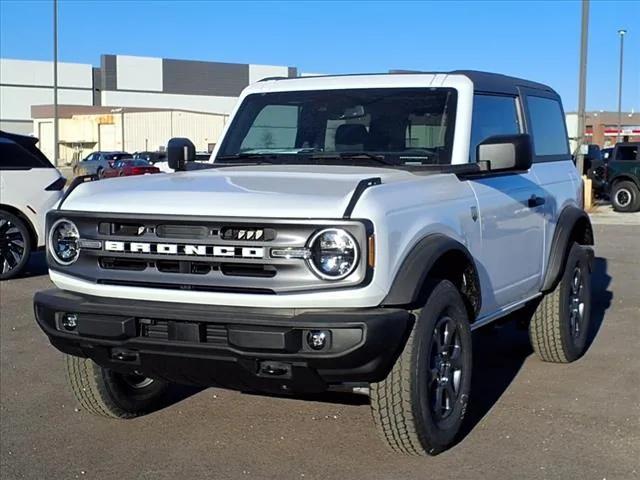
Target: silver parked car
(96,163)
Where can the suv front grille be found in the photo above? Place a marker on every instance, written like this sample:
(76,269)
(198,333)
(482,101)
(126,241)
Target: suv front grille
(202,254)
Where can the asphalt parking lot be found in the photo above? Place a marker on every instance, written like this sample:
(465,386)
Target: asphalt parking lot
(528,420)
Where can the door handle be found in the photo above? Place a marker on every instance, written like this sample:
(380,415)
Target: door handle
(535,201)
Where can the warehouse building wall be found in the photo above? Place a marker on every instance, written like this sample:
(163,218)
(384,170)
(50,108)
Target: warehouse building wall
(213,87)
(82,134)
(152,130)
(24,83)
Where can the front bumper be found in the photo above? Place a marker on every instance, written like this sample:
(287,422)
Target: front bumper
(243,348)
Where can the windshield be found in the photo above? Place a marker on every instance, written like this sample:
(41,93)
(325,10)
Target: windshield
(393,126)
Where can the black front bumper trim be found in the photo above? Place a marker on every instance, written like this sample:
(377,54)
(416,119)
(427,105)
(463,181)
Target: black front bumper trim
(245,348)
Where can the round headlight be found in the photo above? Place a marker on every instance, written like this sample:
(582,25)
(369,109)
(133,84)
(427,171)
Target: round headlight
(334,254)
(63,242)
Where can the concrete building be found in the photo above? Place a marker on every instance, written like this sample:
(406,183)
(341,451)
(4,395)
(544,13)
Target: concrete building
(601,128)
(24,83)
(142,90)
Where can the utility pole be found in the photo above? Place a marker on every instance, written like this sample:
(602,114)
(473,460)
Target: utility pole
(582,85)
(622,33)
(55,84)
(122,129)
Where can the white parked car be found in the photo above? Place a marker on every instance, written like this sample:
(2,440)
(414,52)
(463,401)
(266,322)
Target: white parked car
(351,232)
(30,185)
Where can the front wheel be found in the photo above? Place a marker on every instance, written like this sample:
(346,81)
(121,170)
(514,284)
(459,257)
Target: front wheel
(418,409)
(107,393)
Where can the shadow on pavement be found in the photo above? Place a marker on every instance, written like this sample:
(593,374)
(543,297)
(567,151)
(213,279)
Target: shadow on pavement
(601,296)
(36,266)
(499,351)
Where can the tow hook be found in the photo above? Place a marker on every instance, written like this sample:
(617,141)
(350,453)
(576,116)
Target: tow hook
(274,369)
(123,355)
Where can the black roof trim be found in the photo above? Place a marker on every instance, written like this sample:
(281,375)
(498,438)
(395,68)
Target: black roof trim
(496,82)
(482,81)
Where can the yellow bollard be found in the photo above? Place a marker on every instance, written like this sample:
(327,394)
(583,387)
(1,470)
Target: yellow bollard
(588,193)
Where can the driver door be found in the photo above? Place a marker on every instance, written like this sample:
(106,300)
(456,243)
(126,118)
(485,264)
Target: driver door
(511,212)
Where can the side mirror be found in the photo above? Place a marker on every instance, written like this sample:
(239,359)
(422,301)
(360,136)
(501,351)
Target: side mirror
(179,152)
(506,152)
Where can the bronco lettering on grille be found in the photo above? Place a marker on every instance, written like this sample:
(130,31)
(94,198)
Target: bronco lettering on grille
(184,249)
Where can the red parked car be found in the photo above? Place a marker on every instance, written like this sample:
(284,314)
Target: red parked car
(130,166)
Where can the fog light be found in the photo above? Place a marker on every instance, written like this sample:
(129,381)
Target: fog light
(69,321)
(317,339)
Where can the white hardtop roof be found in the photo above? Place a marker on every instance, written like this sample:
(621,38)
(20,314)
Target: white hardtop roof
(339,82)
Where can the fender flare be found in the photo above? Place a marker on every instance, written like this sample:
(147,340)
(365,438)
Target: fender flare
(564,234)
(410,278)
(624,177)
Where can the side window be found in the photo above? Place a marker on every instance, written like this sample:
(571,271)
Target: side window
(275,127)
(547,126)
(492,115)
(627,152)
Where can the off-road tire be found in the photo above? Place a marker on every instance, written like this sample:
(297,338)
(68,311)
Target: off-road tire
(400,404)
(25,238)
(628,189)
(550,329)
(105,393)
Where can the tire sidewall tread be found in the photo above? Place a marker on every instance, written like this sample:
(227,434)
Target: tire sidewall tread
(98,391)
(399,403)
(549,329)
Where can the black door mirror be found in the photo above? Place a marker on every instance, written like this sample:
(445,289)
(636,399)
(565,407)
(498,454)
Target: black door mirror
(506,152)
(179,152)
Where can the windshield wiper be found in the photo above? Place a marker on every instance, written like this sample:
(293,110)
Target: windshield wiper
(352,156)
(262,157)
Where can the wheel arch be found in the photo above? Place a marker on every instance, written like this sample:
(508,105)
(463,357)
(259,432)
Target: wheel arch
(624,177)
(573,225)
(436,256)
(18,213)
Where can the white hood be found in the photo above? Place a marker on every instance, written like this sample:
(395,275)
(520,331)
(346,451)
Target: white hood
(284,191)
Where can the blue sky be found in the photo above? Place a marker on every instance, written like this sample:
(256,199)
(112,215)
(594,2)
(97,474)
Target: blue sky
(536,40)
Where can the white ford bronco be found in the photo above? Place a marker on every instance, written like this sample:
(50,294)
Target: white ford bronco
(348,232)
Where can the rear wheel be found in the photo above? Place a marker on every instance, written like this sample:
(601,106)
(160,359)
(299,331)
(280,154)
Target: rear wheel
(559,327)
(100,172)
(15,245)
(418,409)
(107,393)
(625,197)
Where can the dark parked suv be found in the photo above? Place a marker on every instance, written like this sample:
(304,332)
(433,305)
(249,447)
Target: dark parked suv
(623,177)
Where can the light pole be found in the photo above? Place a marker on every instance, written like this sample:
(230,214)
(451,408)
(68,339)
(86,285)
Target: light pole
(622,33)
(55,83)
(582,85)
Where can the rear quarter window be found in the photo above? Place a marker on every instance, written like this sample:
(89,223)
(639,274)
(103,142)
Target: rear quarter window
(547,126)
